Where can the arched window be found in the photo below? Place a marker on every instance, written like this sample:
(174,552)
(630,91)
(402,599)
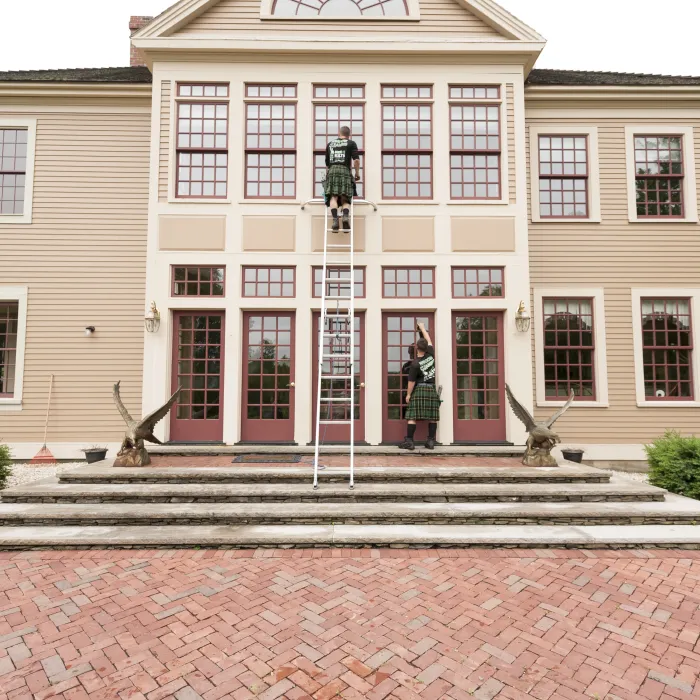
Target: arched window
(340,8)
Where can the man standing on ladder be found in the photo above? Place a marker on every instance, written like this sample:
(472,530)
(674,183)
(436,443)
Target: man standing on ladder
(339,186)
(422,396)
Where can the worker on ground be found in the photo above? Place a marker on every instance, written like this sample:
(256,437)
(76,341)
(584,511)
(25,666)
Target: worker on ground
(339,186)
(422,397)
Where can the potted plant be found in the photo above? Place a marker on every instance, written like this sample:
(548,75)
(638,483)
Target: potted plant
(572,454)
(95,453)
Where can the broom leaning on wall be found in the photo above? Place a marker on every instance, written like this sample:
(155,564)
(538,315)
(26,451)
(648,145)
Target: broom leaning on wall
(44,456)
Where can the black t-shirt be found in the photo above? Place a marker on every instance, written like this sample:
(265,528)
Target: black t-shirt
(423,368)
(341,152)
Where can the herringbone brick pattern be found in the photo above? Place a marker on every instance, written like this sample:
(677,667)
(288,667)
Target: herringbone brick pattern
(396,624)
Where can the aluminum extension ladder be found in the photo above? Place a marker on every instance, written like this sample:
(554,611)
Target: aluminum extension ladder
(341,347)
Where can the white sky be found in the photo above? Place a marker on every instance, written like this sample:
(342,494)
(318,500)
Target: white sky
(643,36)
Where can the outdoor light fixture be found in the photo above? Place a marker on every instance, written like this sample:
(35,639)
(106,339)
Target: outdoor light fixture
(522,318)
(89,331)
(152,319)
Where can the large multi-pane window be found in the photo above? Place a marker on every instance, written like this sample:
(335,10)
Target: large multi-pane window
(475,142)
(269,281)
(336,281)
(202,141)
(659,173)
(477,282)
(667,341)
(198,281)
(270,146)
(13,169)
(563,164)
(407,142)
(9,315)
(408,282)
(569,349)
(336,106)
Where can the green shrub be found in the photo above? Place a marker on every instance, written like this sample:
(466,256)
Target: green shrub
(674,464)
(5,462)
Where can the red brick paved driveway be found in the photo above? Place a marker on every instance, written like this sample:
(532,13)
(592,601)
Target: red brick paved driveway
(354,624)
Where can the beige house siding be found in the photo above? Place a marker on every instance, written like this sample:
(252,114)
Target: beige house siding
(83,261)
(617,256)
(165,93)
(510,112)
(441,17)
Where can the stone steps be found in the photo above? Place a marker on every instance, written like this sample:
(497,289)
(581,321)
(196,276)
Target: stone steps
(677,510)
(304,475)
(334,494)
(373,450)
(420,536)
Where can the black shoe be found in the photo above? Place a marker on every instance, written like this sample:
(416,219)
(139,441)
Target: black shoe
(336,224)
(346,221)
(430,444)
(407,444)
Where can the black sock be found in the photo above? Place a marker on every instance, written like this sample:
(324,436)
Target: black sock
(346,212)
(334,213)
(432,431)
(411,430)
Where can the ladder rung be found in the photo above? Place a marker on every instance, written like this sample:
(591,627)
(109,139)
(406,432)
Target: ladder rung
(340,298)
(331,334)
(337,356)
(337,376)
(338,245)
(346,280)
(336,422)
(334,400)
(341,263)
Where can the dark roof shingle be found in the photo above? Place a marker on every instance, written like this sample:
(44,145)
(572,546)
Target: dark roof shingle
(132,74)
(549,76)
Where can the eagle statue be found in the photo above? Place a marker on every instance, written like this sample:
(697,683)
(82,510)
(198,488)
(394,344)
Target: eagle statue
(133,453)
(541,438)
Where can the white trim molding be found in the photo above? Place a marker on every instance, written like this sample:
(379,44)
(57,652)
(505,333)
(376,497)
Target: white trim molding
(600,359)
(20,295)
(692,293)
(29,124)
(690,192)
(591,132)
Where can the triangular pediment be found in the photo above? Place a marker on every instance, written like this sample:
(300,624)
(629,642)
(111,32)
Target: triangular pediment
(482,19)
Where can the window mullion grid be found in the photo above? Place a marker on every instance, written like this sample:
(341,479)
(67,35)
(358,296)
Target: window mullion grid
(557,182)
(465,159)
(659,183)
(265,159)
(13,149)
(398,160)
(9,320)
(569,382)
(192,162)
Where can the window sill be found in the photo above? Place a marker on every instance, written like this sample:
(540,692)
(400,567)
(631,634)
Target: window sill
(263,200)
(576,404)
(10,405)
(15,219)
(564,220)
(404,202)
(663,221)
(668,404)
(198,200)
(478,202)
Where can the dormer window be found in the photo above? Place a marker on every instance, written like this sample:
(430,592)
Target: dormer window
(340,8)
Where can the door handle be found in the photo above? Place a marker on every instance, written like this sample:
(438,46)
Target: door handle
(292,384)
(362,385)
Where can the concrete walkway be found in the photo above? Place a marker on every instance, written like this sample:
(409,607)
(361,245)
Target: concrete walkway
(395,624)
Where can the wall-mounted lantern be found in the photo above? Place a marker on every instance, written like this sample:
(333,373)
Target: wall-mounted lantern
(522,318)
(152,318)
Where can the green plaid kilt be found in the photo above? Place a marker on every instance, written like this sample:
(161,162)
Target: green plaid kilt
(339,181)
(425,404)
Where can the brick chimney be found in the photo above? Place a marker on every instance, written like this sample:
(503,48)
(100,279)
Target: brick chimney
(136,23)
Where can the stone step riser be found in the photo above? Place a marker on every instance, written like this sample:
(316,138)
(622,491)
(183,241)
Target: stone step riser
(574,520)
(350,498)
(72,479)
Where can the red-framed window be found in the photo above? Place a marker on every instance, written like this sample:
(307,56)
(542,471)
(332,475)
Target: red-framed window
(569,349)
(339,92)
(563,163)
(407,92)
(659,172)
(271,150)
(475,151)
(202,90)
(13,169)
(408,282)
(478,282)
(475,92)
(270,91)
(9,320)
(407,151)
(338,289)
(202,142)
(667,341)
(279,282)
(198,281)
(328,118)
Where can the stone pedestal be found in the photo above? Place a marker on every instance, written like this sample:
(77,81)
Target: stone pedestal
(134,457)
(538,457)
